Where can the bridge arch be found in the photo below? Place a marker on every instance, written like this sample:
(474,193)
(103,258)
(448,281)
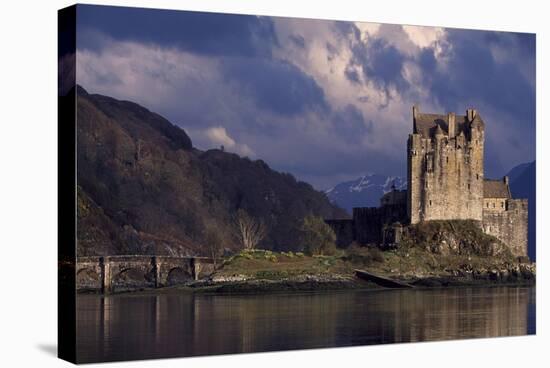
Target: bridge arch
(132,277)
(178,275)
(89,278)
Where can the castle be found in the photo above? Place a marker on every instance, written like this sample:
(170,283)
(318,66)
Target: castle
(445,181)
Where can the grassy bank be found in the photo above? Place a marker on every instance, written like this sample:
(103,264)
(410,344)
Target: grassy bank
(407,263)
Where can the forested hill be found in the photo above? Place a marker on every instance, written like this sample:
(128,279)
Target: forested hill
(144,189)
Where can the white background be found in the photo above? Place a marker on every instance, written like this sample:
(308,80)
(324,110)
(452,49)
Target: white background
(28,181)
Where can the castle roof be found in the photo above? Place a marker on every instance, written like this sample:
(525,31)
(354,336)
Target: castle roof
(496,189)
(426,124)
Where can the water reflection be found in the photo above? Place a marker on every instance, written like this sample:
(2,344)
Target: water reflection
(127,327)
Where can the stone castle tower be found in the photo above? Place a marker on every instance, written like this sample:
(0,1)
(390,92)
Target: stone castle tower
(445,167)
(445,181)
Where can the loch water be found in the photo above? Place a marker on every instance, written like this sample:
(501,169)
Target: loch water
(141,326)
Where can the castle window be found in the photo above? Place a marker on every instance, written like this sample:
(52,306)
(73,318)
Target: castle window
(493,204)
(468,186)
(430,202)
(501,204)
(477,176)
(487,204)
(429,164)
(447,159)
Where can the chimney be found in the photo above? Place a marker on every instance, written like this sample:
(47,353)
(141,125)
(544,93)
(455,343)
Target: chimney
(506,180)
(470,114)
(415,115)
(452,126)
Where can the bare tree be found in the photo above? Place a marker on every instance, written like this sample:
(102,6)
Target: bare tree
(214,241)
(250,231)
(139,148)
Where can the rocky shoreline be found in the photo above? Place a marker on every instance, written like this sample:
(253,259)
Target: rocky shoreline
(242,284)
(522,274)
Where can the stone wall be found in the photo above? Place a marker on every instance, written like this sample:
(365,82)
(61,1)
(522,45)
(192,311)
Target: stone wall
(394,197)
(494,204)
(344,231)
(392,235)
(509,225)
(368,222)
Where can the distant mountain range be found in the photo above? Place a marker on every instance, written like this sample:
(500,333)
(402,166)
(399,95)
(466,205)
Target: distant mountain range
(364,191)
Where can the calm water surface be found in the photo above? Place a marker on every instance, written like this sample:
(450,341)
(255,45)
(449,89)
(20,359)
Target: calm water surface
(124,327)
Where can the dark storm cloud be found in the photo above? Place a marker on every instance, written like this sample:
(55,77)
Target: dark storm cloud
(493,71)
(267,93)
(203,33)
(277,86)
(320,165)
(349,123)
(347,29)
(474,75)
(352,75)
(524,42)
(332,52)
(385,65)
(298,40)
(377,60)
(380,63)
(242,43)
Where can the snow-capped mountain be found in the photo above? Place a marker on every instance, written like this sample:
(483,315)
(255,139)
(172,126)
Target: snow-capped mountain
(364,191)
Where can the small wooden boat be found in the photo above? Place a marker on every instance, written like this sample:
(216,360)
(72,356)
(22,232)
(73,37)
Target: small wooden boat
(380,280)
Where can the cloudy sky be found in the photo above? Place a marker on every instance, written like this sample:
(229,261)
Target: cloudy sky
(325,100)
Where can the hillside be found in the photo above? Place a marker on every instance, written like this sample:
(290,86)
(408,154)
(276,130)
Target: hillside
(144,189)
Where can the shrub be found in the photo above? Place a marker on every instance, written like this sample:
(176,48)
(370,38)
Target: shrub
(464,237)
(376,255)
(288,254)
(364,255)
(318,238)
(271,275)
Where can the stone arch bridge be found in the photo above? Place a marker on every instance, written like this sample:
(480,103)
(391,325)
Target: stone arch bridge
(119,273)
